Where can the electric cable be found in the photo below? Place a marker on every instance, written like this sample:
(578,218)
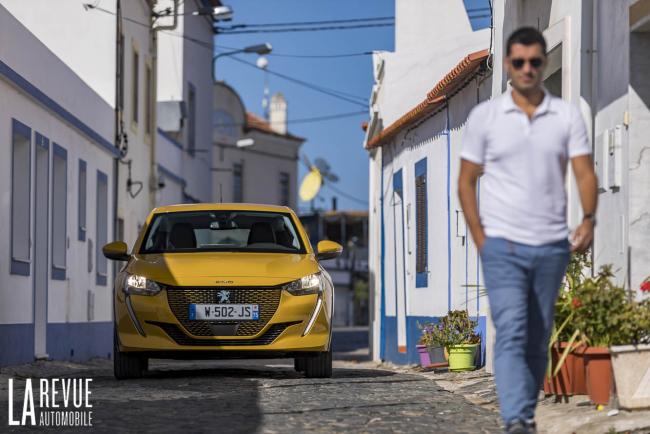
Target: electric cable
(219,30)
(311,23)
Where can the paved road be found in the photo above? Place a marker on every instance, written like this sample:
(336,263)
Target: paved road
(261,396)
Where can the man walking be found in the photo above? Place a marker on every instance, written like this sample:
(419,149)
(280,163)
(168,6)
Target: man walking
(521,142)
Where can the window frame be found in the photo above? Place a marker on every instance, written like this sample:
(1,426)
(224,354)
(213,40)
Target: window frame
(285,181)
(191,119)
(101,278)
(148,101)
(21,266)
(59,272)
(238,170)
(135,85)
(82,211)
(421,233)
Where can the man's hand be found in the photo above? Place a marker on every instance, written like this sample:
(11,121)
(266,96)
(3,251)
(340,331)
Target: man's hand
(583,236)
(469,173)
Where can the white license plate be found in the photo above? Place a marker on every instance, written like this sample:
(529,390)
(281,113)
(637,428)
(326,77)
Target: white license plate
(224,311)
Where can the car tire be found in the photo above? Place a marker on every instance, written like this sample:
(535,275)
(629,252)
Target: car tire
(319,366)
(299,364)
(127,365)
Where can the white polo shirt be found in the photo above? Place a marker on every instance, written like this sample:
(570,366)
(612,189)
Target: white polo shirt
(522,191)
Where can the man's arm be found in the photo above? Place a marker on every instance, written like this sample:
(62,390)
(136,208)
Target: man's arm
(588,189)
(469,173)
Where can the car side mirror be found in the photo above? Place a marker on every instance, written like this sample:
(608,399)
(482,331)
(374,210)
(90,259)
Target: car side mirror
(328,250)
(117,251)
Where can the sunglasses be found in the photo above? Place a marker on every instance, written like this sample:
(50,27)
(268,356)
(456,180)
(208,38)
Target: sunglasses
(519,63)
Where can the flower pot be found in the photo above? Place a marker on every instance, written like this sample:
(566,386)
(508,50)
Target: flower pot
(424,355)
(570,380)
(599,374)
(579,380)
(461,357)
(437,355)
(631,365)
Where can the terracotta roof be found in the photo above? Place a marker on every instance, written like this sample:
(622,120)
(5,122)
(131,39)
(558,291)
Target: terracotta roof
(254,122)
(453,80)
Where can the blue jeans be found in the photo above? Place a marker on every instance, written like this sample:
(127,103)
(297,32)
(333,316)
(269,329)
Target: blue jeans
(522,284)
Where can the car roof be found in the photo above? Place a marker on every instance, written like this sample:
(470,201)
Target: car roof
(220,207)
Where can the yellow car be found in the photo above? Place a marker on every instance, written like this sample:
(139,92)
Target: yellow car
(223,281)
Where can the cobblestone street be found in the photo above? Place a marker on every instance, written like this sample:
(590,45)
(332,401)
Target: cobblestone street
(261,396)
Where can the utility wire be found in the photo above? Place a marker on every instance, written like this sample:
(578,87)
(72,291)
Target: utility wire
(333,93)
(303,120)
(310,23)
(308,56)
(220,31)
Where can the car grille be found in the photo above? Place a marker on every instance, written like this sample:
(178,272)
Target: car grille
(268,300)
(181,338)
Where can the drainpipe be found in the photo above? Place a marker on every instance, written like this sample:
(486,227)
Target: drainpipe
(594,96)
(153,32)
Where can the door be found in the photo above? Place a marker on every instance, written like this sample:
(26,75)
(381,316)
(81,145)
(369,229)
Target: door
(400,260)
(41,225)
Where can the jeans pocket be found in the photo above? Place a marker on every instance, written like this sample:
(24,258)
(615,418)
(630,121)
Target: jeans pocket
(484,246)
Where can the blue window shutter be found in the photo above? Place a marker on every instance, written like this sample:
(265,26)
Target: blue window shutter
(421,230)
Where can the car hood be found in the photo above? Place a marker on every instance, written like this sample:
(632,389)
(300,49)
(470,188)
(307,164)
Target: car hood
(223,268)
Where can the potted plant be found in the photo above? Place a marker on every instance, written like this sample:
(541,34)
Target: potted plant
(631,354)
(429,348)
(604,315)
(457,333)
(566,369)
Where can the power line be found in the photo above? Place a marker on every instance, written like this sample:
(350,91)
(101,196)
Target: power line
(310,23)
(308,56)
(304,120)
(219,30)
(331,92)
(344,194)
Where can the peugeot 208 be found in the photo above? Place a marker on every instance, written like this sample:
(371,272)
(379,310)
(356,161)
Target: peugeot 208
(222,280)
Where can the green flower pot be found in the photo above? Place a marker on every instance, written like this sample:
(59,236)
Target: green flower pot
(461,357)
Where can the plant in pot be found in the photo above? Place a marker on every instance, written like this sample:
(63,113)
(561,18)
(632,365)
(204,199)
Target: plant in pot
(566,368)
(457,333)
(604,315)
(430,350)
(630,352)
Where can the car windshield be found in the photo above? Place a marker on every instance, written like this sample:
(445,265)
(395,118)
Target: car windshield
(200,231)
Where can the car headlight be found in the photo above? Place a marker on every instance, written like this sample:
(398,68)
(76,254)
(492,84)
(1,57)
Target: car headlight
(311,284)
(140,285)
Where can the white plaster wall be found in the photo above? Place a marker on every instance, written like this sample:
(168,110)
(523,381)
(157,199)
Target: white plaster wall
(639,159)
(67,300)
(170,57)
(83,40)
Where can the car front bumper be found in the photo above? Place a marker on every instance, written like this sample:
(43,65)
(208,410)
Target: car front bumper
(147,324)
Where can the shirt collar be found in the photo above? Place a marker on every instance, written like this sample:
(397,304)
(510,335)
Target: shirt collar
(509,105)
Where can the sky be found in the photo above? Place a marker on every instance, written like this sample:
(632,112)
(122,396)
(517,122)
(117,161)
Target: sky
(338,141)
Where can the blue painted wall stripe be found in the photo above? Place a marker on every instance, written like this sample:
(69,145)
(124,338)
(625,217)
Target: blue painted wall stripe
(169,138)
(382,324)
(448,133)
(47,102)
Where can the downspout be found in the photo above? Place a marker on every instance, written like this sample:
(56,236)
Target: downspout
(153,181)
(594,98)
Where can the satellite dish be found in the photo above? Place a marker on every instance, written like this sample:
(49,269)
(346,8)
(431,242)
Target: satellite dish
(310,185)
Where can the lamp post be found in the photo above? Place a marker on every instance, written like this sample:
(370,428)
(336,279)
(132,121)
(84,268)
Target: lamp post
(259,49)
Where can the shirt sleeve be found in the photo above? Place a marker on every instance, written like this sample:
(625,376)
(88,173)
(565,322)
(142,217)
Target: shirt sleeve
(474,139)
(578,139)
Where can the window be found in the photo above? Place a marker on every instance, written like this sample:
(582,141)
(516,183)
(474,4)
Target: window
(238,182)
(223,230)
(81,215)
(59,215)
(191,119)
(102,227)
(148,102)
(20,198)
(284,189)
(421,253)
(135,88)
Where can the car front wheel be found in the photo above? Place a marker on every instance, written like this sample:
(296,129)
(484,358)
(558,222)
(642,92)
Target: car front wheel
(319,366)
(127,365)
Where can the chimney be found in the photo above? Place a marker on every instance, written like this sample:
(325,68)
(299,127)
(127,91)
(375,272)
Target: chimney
(278,115)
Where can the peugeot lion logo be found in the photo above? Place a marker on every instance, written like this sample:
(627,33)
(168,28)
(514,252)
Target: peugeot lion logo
(224,296)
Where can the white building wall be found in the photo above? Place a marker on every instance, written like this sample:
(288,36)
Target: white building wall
(40,91)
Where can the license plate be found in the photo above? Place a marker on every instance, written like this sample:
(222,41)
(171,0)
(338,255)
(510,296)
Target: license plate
(224,311)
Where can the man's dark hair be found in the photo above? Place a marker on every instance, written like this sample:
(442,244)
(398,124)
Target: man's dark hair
(526,36)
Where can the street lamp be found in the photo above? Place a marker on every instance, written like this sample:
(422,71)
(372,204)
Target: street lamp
(259,49)
(218,13)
